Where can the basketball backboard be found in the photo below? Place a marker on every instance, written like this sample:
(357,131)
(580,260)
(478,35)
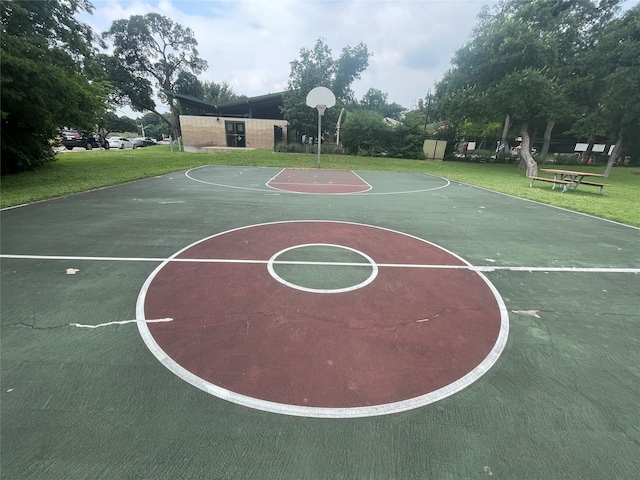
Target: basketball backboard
(321,96)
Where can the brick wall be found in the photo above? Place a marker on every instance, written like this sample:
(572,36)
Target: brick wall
(198,132)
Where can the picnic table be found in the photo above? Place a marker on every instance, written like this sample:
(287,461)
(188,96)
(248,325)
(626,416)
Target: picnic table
(569,179)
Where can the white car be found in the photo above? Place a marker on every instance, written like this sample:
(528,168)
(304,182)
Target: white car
(120,142)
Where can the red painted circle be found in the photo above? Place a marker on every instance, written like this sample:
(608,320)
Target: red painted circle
(412,331)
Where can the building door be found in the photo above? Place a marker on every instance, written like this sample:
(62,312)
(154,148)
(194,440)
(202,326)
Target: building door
(235,134)
(278,137)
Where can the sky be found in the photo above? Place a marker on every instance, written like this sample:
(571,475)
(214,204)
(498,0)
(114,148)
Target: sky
(250,43)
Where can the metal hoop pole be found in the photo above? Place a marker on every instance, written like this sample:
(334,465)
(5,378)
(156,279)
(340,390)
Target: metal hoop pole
(319,132)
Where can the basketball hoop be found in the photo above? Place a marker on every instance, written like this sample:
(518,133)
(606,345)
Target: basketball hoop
(320,98)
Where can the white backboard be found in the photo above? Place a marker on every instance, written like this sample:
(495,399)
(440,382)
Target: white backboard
(321,96)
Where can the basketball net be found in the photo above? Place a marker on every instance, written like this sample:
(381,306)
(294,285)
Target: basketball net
(321,109)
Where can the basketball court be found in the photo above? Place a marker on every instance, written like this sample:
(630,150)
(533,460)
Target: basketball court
(243,322)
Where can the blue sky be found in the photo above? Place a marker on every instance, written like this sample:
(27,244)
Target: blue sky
(250,43)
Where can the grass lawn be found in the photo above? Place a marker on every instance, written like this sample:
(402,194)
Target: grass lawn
(79,171)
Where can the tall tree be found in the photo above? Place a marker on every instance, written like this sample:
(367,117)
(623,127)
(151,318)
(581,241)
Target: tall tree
(615,63)
(153,126)
(377,101)
(317,68)
(528,96)
(152,48)
(516,35)
(500,44)
(209,91)
(573,28)
(188,84)
(47,66)
(110,122)
(218,92)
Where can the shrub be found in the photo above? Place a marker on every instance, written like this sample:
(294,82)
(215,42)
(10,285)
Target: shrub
(364,132)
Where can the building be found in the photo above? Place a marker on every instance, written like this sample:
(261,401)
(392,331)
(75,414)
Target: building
(242,123)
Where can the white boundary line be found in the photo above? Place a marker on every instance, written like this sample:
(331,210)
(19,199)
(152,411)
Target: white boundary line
(316,411)
(323,412)
(187,174)
(271,182)
(475,268)
(91,190)
(271,190)
(275,176)
(448,182)
(547,205)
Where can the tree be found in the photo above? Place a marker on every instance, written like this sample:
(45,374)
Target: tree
(406,140)
(365,132)
(110,122)
(500,44)
(376,100)
(218,92)
(151,48)
(518,35)
(317,68)
(573,27)
(616,62)
(528,96)
(155,127)
(47,65)
(188,84)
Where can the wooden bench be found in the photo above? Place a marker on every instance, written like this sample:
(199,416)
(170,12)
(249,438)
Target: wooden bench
(565,183)
(596,184)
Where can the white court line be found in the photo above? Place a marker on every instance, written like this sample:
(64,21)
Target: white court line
(367,192)
(187,174)
(273,185)
(275,176)
(325,412)
(122,322)
(318,184)
(475,268)
(370,263)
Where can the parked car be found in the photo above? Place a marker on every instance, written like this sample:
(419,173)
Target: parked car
(143,141)
(74,138)
(120,142)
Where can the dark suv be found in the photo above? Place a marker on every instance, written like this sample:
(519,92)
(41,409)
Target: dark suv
(73,138)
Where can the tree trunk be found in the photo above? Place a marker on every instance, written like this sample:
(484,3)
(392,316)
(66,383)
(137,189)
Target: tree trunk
(587,152)
(615,154)
(505,132)
(547,139)
(525,151)
(176,124)
(175,117)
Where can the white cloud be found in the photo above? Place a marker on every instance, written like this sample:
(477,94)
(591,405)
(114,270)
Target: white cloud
(250,43)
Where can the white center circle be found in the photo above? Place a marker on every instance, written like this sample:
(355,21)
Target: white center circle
(371,263)
(402,285)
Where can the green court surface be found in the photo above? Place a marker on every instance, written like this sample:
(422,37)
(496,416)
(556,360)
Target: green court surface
(560,400)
